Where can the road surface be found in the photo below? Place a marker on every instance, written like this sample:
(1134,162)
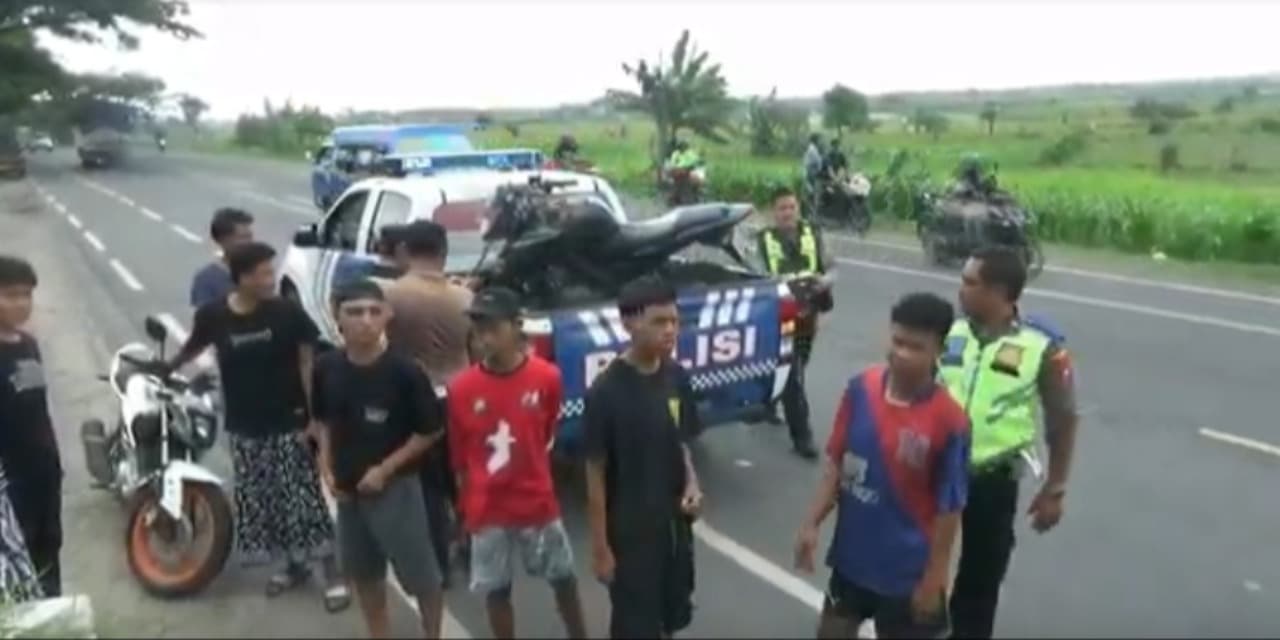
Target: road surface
(1172,516)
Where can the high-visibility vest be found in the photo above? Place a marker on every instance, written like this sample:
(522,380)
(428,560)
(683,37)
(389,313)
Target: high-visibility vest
(776,258)
(996,385)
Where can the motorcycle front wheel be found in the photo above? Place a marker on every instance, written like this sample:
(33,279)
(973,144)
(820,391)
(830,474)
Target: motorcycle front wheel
(173,558)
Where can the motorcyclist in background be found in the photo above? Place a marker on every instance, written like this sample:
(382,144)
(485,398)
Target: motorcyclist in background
(566,153)
(814,162)
(836,164)
(683,157)
(975,178)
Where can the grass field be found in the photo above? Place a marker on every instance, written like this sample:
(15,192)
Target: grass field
(1110,183)
(1111,193)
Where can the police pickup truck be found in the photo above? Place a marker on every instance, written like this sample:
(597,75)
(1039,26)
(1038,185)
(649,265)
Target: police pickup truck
(735,338)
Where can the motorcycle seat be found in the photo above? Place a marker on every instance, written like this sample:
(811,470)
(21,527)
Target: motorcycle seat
(636,237)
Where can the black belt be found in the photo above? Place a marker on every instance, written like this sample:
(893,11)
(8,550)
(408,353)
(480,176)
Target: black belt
(1006,465)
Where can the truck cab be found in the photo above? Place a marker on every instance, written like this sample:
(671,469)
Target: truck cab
(736,324)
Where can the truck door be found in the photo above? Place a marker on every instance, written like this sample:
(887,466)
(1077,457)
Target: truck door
(339,244)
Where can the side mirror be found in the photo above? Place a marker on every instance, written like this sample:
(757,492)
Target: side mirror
(306,237)
(155,329)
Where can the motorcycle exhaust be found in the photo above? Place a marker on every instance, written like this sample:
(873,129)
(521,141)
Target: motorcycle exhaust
(93,436)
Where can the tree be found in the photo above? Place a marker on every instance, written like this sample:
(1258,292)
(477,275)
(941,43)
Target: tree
(29,70)
(192,108)
(843,108)
(930,121)
(775,127)
(990,111)
(484,120)
(690,94)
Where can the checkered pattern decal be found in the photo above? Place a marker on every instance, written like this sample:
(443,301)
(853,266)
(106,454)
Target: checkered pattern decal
(731,375)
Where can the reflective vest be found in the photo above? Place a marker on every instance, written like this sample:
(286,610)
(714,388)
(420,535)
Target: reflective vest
(776,258)
(687,159)
(996,385)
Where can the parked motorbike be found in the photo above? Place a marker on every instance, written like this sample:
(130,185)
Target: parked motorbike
(846,203)
(683,186)
(953,227)
(179,528)
(549,251)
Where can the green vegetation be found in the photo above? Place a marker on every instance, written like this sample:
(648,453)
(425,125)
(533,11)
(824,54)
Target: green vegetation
(1186,169)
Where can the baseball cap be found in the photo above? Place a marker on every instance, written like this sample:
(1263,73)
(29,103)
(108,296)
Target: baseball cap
(495,303)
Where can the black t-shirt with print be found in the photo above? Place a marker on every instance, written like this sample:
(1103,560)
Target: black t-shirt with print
(28,448)
(258,362)
(372,410)
(637,424)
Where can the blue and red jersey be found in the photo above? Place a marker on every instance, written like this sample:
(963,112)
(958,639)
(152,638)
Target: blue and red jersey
(901,465)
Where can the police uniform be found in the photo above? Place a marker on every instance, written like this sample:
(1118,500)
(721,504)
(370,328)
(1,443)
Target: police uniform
(797,254)
(1003,381)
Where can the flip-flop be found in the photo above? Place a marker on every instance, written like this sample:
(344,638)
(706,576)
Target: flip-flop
(291,577)
(336,597)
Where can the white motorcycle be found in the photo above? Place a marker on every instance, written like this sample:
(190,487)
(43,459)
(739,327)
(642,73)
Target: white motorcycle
(179,528)
(845,202)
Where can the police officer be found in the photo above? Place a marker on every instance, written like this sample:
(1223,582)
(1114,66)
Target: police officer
(793,247)
(999,366)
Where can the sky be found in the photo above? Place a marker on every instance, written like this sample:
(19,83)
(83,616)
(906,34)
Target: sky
(397,54)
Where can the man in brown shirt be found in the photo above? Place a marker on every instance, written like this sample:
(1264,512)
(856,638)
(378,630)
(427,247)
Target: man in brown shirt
(429,323)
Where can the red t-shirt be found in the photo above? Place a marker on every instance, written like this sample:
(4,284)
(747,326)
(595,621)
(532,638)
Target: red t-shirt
(501,428)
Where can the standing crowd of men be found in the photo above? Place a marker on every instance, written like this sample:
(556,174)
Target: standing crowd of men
(925,445)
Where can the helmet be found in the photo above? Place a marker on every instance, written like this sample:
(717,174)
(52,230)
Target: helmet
(568,144)
(973,165)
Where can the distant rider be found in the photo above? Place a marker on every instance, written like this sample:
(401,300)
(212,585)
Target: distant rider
(836,163)
(566,153)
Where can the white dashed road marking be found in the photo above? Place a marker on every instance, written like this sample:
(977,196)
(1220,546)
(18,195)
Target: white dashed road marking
(75,222)
(94,241)
(125,275)
(150,214)
(1240,441)
(185,234)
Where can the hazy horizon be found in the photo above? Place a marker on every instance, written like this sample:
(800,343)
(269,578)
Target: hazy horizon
(384,51)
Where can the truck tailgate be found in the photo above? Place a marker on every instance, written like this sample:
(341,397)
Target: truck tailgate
(730,343)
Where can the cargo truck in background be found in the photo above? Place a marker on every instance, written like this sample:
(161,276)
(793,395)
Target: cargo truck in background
(108,133)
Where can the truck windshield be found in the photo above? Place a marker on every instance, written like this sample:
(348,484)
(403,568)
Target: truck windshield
(435,143)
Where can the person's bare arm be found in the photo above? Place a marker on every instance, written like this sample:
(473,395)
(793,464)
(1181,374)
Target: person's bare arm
(824,500)
(411,450)
(942,541)
(596,507)
(1057,394)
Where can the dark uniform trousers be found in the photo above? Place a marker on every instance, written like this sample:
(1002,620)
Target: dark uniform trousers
(987,542)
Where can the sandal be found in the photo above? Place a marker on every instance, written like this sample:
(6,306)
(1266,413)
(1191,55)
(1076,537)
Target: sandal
(336,597)
(292,576)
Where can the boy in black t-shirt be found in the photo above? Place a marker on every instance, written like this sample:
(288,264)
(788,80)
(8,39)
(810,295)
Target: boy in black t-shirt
(378,415)
(265,345)
(28,448)
(642,491)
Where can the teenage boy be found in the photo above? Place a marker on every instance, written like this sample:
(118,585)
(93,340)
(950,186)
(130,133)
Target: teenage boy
(896,474)
(503,413)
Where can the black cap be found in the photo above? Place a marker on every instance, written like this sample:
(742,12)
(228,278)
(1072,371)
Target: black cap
(495,303)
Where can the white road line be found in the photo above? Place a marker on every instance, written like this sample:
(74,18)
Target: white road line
(1231,294)
(772,574)
(94,241)
(300,200)
(58,206)
(186,235)
(75,222)
(451,627)
(1241,441)
(310,212)
(126,201)
(1208,321)
(150,214)
(127,277)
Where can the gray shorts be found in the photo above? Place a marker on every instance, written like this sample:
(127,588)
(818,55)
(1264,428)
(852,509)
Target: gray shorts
(390,527)
(544,551)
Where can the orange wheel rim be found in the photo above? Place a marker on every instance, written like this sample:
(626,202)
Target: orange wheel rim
(151,568)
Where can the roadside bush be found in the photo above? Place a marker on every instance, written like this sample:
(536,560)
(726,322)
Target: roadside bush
(1065,149)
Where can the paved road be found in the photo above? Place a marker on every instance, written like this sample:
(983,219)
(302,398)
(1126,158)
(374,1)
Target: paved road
(1169,532)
